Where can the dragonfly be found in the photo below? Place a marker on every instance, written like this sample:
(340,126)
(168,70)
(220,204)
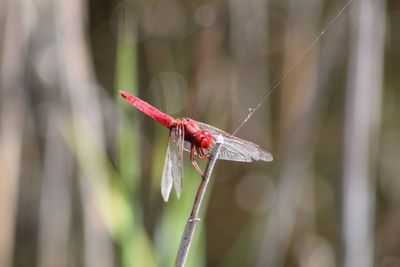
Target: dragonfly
(197,138)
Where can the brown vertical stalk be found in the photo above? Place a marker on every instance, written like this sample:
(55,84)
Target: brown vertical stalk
(300,108)
(207,50)
(363,105)
(87,117)
(55,208)
(54,216)
(249,45)
(11,121)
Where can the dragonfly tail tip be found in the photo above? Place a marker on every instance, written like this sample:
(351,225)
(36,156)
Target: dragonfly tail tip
(123,93)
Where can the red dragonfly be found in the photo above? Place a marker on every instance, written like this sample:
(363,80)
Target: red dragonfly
(197,138)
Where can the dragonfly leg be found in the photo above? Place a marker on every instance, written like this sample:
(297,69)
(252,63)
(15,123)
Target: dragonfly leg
(194,163)
(196,166)
(204,156)
(200,153)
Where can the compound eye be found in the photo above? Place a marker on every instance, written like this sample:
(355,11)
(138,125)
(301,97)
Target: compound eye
(206,139)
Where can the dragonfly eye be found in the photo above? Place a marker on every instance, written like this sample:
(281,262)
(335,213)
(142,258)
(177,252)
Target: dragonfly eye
(205,138)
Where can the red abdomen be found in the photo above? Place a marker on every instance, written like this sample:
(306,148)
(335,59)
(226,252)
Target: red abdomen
(148,109)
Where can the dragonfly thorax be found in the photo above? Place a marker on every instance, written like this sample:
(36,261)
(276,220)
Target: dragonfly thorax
(194,134)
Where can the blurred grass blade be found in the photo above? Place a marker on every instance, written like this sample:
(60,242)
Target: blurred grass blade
(110,197)
(126,78)
(172,223)
(134,251)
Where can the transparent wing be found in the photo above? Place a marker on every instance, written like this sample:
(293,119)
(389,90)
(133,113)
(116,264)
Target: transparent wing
(234,148)
(173,165)
(178,173)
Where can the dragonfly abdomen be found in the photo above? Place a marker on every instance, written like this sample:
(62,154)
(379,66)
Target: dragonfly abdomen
(148,109)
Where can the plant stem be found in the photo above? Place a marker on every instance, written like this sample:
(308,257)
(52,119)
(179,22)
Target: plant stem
(190,226)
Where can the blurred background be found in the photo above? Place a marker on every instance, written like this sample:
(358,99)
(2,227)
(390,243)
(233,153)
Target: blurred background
(80,168)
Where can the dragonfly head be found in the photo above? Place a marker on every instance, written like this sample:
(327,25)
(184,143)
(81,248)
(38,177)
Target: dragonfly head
(204,138)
